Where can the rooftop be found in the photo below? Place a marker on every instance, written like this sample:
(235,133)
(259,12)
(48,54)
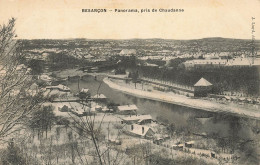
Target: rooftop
(139,117)
(100,96)
(84,90)
(202,82)
(137,129)
(60,87)
(128,51)
(127,107)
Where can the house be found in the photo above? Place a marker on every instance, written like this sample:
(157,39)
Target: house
(115,141)
(105,109)
(243,61)
(78,112)
(151,65)
(88,56)
(213,154)
(140,119)
(45,78)
(189,144)
(99,97)
(202,88)
(59,87)
(84,93)
(127,109)
(141,131)
(158,141)
(127,52)
(178,146)
(98,108)
(84,90)
(160,138)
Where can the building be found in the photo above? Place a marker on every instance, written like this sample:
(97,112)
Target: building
(237,62)
(202,88)
(84,90)
(178,147)
(127,109)
(151,65)
(98,108)
(127,52)
(141,131)
(84,93)
(45,78)
(99,97)
(59,87)
(140,119)
(243,61)
(205,63)
(189,144)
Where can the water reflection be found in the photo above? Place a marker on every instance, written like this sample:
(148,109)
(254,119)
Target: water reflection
(221,125)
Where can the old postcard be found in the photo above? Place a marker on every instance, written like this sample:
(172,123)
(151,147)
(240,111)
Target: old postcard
(120,82)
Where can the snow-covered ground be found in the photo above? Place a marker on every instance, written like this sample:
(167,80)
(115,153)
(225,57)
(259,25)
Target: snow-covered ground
(170,97)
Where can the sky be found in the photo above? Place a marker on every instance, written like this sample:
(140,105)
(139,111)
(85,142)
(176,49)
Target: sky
(62,19)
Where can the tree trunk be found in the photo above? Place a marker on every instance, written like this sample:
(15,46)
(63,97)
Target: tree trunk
(46,132)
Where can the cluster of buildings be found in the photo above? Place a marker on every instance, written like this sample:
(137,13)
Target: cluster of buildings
(135,125)
(83,104)
(150,49)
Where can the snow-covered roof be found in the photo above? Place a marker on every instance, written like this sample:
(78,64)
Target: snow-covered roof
(242,98)
(88,56)
(105,109)
(141,129)
(202,82)
(178,145)
(128,51)
(138,118)
(241,62)
(63,87)
(60,87)
(21,66)
(45,77)
(127,107)
(153,65)
(98,106)
(190,142)
(84,90)
(100,96)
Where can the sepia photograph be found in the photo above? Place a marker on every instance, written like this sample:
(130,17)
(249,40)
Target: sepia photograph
(129,82)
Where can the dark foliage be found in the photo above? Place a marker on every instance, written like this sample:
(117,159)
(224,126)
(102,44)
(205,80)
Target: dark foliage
(234,79)
(13,155)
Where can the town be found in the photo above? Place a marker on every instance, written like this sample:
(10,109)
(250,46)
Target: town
(137,101)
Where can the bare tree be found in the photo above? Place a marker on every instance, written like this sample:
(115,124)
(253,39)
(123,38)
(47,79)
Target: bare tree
(90,129)
(15,82)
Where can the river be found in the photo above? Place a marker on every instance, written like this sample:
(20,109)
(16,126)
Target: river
(210,123)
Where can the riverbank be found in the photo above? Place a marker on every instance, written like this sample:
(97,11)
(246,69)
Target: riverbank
(172,98)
